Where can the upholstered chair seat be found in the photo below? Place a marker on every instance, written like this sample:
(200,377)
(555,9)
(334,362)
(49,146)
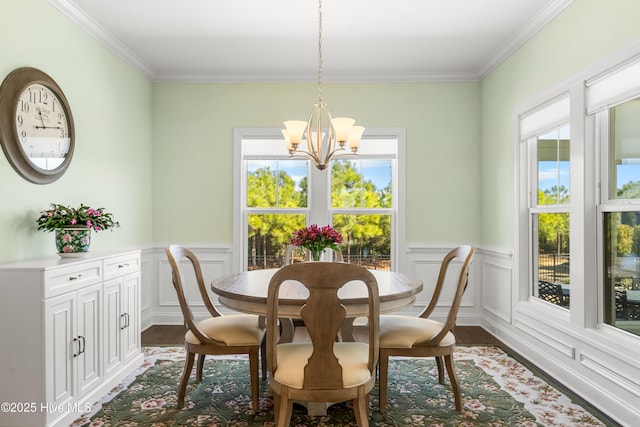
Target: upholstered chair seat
(404,331)
(352,357)
(231,330)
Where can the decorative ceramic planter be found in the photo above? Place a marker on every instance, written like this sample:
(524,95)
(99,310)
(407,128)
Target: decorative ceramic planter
(72,242)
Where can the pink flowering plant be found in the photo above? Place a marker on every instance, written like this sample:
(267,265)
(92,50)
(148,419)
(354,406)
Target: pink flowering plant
(60,216)
(317,239)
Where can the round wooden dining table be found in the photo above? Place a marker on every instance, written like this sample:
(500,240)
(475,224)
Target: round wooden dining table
(247,292)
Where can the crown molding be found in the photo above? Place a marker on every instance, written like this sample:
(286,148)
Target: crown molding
(102,35)
(537,23)
(68,8)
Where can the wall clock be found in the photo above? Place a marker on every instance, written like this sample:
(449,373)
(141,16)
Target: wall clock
(36,125)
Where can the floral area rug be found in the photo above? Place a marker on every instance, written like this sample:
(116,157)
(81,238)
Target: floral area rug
(497,391)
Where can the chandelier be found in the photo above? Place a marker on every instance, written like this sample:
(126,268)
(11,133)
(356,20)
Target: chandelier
(309,140)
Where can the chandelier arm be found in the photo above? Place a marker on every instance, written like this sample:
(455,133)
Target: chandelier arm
(305,154)
(345,154)
(335,153)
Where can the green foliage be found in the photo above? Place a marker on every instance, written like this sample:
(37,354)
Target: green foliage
(553,228)
(630,190)
(624,241)
(350,190)
(265,190)
(61,216)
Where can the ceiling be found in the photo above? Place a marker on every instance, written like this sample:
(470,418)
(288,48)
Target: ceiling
(277,40)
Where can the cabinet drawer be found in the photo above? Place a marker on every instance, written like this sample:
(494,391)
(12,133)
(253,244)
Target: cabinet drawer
(121,265)
(70,278)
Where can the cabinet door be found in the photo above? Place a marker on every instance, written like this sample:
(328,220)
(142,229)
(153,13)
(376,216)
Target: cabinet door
(89,335)
(131,316)
(112,323)
(60,348)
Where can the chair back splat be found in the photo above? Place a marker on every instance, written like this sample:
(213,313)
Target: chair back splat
(325,369)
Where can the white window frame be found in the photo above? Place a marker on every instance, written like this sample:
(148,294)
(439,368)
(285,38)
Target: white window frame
(319,210)
(532,123)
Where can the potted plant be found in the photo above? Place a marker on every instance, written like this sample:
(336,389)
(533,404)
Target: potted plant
(317,239)
(72,226)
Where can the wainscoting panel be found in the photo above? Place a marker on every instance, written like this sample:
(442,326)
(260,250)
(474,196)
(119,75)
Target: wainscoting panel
(549,339)
(496,285)
(614,372)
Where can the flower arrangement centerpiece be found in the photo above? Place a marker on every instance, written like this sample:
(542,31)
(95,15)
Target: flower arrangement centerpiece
(73,226)
(317,239)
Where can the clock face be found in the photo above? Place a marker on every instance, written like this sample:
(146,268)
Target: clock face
(42,126)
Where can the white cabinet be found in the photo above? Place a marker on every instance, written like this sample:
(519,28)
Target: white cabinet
(72,370)
(122,310)
(122,328)
(63,322)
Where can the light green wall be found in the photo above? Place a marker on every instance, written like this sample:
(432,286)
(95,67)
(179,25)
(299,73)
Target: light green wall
(193,150)
(111,105)
(583,33)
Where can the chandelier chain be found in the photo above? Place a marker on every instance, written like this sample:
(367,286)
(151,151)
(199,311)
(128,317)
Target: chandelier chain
(320,51)
(322,137)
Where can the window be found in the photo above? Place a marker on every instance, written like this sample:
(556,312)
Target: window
(357,195)
(545,174)
(621,215)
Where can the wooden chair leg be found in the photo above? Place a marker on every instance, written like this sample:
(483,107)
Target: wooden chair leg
(263,358)
(382,382)
(361,410)
(253,374)
(201,357)
(284,411)
(368,400)
(276,404)
(188,366)
(440,365)
(448,360)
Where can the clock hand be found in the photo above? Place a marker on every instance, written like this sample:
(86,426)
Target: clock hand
(48,127)
(41,118)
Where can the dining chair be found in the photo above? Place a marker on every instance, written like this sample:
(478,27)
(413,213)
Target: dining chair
(419,336)
(216,335)
(322,369)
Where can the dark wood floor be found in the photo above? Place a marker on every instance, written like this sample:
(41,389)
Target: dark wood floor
(174,335)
